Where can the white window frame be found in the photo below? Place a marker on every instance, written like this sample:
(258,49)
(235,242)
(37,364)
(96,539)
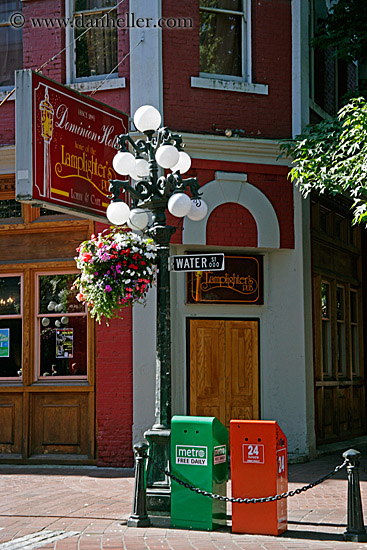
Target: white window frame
(87,83)
(231,82)
(246,65)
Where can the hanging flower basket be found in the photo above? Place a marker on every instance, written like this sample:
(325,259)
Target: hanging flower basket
(117,269)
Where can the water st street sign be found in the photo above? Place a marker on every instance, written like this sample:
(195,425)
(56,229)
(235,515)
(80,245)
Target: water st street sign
(196,262)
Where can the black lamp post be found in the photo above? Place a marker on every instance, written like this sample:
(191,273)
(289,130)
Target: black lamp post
(156,193)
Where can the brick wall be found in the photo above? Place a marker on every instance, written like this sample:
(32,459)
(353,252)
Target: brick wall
(114,388)
(196,110)
(231,225)
(271,180)
(41,43)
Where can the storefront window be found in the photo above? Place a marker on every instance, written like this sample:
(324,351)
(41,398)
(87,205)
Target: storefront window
(10,326)
(62,328)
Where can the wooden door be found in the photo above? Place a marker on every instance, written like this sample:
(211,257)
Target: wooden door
(224,369)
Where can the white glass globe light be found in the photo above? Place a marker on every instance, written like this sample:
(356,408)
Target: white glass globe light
(184,163)
(123,162)
(198,210)
(138,219)
(64,320)
(51,306)
(179,205)
(134,175)
(118,213)
(147,118)
(167,156)
(142,167)
(45,322)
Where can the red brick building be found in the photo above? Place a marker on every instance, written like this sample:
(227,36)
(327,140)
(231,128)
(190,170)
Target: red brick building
(232,76)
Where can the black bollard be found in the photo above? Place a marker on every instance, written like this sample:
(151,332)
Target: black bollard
(139,517)
(356,531)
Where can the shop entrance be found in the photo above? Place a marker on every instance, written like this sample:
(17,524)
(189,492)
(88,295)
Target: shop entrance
(224,369)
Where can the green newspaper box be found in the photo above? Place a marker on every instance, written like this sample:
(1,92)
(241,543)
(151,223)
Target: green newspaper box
(199,456)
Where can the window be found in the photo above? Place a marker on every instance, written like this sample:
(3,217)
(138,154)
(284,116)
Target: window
(95,52)
(10,326)
(326,329)
(223,39)
(11,43)
(340,327)
(10,209)
(330,78)
(61,328)
(354,332)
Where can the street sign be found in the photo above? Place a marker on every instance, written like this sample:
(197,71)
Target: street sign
(196,262)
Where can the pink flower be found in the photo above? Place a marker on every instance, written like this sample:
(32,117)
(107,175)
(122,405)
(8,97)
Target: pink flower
(80,297)
(86,256)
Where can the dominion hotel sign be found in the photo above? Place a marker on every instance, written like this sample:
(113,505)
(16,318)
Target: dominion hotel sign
(65,144)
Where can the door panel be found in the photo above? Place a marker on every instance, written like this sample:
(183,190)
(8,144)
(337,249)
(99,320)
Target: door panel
(59,424)
(242,370)
(224,367)
(11,424)
(207,386)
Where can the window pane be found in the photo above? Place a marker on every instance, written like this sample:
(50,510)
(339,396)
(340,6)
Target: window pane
(11,54)
(326,348)
(220,43)
(10,296)
(84,5)
(96,51)
(341,348)
(340,303)
(235,5)
(7,7)
(10,348)
(57,296)
(355,352)
(63,346)
(10,209)
(324,300)
(353,307)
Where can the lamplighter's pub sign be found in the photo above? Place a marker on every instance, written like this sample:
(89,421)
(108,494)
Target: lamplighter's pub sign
(65,144)
(241,282)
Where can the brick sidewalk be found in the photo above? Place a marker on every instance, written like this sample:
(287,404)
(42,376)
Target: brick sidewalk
(87,509)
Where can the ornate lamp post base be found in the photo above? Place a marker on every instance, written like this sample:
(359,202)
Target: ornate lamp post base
(158,485)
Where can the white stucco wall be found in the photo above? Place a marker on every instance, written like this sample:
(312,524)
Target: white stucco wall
(284,360)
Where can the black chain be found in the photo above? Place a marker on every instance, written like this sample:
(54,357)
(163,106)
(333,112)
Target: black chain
(248,500)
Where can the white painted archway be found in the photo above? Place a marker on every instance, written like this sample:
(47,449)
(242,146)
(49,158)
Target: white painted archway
(234,187)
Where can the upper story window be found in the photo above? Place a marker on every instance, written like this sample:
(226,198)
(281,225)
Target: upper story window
(95,53)
(330,78)
(224,39)
(11,43)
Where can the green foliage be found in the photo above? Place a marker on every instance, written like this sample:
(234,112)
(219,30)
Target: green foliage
(331,157)
(345,29)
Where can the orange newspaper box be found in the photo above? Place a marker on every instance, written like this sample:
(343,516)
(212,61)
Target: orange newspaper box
(259,469)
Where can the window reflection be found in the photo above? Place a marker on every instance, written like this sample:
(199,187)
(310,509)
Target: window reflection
(10,327)
(62,328)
